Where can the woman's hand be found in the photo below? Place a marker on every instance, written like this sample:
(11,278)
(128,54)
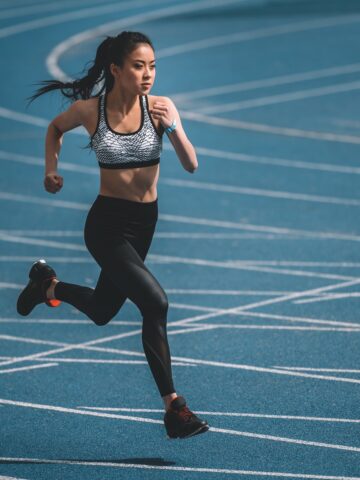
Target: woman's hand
(53,182)
(165,113)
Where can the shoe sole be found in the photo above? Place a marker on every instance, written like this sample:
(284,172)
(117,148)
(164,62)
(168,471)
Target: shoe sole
(24,293)
(202,429)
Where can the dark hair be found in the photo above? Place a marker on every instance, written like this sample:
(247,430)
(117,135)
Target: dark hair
(111,50)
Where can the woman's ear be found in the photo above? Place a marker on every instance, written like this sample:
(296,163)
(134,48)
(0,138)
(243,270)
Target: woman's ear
(114,69)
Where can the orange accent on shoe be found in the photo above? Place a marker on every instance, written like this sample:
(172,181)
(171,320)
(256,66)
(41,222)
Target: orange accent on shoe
(53,302)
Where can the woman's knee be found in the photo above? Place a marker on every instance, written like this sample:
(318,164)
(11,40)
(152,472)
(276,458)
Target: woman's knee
(157,307)
(101,317)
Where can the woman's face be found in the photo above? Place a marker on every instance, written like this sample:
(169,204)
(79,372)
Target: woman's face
(137,75)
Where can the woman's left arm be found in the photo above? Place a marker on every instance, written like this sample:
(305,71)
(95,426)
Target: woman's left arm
(164,109)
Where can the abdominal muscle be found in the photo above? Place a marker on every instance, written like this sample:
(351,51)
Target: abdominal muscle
(136,184)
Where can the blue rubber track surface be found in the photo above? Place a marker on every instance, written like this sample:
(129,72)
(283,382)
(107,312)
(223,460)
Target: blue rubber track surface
(258,251)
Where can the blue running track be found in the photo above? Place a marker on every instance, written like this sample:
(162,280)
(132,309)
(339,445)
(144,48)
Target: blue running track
(258,251)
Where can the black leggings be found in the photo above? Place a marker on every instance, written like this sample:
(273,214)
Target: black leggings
(118,234)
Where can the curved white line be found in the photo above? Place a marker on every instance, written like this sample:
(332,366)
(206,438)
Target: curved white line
(267,82)
(54,56)
(66,17)
(259,33)
(263,128)
(41,8)
(60,49)
(281,98)
(260,192)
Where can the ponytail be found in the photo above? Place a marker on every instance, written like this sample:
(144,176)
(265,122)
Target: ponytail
(111,50)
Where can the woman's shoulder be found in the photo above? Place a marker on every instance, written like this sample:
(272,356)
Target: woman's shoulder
(88,104)
(86,108)
(157,98)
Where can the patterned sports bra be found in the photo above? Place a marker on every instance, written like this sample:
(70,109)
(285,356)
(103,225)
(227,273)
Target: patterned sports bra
(141,148)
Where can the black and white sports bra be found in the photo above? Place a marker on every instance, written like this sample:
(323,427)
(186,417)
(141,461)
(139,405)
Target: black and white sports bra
(141,148)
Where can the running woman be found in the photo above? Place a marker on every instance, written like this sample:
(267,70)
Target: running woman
(125,126)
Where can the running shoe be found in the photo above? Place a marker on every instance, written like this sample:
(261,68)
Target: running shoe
(34,293)
(180,422)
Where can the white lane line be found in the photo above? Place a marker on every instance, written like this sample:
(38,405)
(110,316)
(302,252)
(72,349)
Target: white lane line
(167,235)
(78,411)
(282,98)
(276,371)
(154,421)
(194,361)
(229,264)
(276,327)
(181,260)
(232,414)
(287,318)
(189,220)
(198,328)
(232,38)
(233,189)
(274,263)
(285,439)
(259,192)
(203,151)
(258,228)
(53,59)
(354,328)
(250,293)
(226,471)
(14,286)
(102,361)
(32,367)
(345,122)
(272,301)
(279,162)
(330,297)
(10,478)
(326,370)
(72,347)
(267,82)
(50,258)
(61,321)
(41,8)
(270,129)
(35,341)
(74,15)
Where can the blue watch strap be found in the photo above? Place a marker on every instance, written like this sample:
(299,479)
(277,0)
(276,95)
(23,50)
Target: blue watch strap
(171,128)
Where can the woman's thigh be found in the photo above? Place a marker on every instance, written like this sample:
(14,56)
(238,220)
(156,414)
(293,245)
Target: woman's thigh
(123,266)
(120,245)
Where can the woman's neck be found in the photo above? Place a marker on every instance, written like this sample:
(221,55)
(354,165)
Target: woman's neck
(121,101)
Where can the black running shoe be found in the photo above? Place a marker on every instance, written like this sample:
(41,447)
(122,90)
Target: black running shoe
(34,293)
(180,422)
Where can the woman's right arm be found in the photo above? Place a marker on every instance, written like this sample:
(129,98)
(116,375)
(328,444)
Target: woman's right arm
(71,118)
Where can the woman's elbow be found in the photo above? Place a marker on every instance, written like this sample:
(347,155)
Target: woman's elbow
(192,168)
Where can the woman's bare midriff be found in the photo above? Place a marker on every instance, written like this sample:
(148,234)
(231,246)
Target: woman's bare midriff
(136,184)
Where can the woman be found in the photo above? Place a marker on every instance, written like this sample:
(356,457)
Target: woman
(125,127)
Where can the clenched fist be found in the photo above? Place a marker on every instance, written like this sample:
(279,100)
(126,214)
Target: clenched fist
(165,113)
(53,182)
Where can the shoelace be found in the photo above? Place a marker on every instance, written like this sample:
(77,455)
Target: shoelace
(185,413)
